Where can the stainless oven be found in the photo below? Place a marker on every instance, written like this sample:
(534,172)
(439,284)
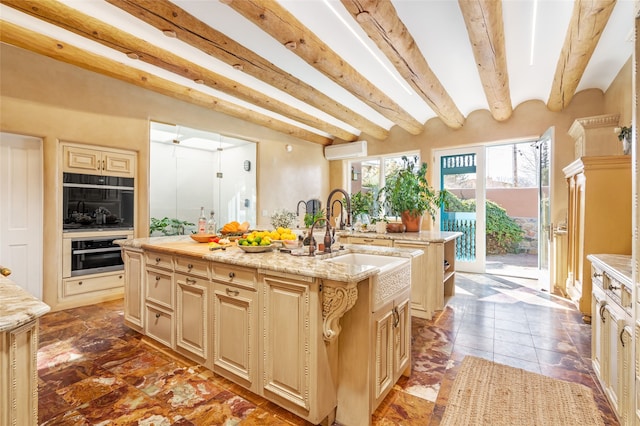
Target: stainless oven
(92,255)
(96,203)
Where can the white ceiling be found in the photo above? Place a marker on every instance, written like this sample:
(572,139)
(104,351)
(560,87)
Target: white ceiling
(436,25)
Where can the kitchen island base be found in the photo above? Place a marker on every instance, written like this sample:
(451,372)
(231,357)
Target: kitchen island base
(274,324)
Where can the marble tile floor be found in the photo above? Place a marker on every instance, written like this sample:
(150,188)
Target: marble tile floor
(93,370)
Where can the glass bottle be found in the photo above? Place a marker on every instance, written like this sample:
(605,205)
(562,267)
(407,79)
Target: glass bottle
(202,222)
(211,224)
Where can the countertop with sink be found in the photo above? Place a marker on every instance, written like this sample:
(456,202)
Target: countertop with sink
(312,266)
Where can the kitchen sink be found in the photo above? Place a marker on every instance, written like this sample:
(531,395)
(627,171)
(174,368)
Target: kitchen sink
(385,263)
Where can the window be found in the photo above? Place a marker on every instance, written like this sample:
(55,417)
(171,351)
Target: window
(369,175)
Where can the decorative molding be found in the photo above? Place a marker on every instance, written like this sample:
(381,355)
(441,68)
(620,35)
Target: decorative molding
(585,123)
(394,282)
(335,302)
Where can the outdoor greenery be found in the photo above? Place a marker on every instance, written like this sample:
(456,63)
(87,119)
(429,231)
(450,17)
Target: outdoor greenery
(363,203)
(503,233)
(167,226)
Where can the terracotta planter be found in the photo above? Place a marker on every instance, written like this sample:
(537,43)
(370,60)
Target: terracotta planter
(412,223)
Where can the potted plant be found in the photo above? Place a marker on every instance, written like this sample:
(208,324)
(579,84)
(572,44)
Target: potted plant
(624,136)
(408,195)
(362,206)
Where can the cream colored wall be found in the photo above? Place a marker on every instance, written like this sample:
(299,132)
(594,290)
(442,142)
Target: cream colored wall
(618,96)
(57,102)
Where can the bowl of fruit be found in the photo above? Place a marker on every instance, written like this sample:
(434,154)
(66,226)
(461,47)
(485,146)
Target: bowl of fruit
(256,242)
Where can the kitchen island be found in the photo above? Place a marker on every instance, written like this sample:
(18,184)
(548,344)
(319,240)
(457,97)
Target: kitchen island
(19,316)
(325,340)
(432,275)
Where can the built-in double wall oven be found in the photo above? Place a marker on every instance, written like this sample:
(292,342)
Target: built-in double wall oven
(97,210)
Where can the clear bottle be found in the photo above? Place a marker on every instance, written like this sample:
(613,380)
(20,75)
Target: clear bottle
(202,222)
(211,224)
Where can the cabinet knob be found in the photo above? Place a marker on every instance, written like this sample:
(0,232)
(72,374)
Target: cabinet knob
(232,274)
(231,292)
(157,260)
(189,266)
(157,315)
(597,275)
(79,282)
(190,281)
(157,277)
(614,287)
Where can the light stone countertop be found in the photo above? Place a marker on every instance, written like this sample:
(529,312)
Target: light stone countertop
(273,260)
(616,265)
(422,236)
(17,306)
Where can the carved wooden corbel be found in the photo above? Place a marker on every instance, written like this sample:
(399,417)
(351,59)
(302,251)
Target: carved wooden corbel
(335,302)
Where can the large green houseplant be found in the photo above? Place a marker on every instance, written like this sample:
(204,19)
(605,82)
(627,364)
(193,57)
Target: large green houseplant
(408,195)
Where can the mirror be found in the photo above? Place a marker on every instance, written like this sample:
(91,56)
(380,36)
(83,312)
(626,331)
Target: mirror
(191,168)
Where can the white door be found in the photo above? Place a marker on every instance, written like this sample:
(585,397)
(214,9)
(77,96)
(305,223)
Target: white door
(461,172)
(21,213)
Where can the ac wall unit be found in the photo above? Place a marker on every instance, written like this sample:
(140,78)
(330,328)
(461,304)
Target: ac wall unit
(346,150)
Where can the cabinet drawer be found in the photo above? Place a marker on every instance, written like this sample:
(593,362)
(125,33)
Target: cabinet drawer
(83,285)
(159,260)
(596,277)
(160,287)
(159,325)
(189,265)
(234,275)
(371,241)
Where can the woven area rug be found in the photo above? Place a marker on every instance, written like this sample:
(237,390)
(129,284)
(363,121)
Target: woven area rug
(486,393)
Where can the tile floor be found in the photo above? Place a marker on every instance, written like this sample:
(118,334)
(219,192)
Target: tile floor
(94,370)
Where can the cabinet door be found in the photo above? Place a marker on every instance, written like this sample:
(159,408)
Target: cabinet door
(625,379)
(192,315)
(234,333)
(384,321)
(134,295)
(598,302)
(19,375)
(287,339)
(613,325)
(402,338)
(82,160)
(118,164)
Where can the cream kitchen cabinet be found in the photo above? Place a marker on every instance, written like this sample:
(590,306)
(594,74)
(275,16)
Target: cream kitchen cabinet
(192,316)
(134,267)
(160,298)
(19,375)
(235,325)
(612,341)
(298,377)
(391,325)
(98,160)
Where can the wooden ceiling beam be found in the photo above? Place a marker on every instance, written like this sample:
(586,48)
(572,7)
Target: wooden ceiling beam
(483,19)
(276,21)
(164,15)
(587,24)
(70,19)
(55,49)
(380,21)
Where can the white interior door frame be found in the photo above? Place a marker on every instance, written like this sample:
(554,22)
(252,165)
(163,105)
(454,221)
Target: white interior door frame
(21,186)
(477,266)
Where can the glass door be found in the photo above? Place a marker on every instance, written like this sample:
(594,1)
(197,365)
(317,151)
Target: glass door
(461,172)
(544,213)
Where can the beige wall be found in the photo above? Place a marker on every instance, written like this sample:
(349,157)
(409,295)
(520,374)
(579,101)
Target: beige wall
(55,101)
(58,102)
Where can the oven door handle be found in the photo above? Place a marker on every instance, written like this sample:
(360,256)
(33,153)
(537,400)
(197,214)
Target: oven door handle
(98,250)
